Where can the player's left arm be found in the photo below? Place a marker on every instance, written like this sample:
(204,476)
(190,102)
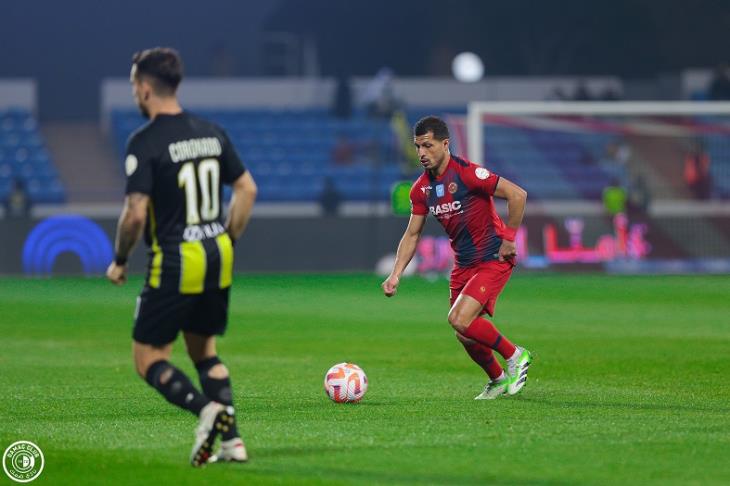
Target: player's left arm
(129,231)
(241,205)
(516,198)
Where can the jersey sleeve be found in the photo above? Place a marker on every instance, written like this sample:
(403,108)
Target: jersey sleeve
(138,166)
(480,179)
(419,205)
(231,166)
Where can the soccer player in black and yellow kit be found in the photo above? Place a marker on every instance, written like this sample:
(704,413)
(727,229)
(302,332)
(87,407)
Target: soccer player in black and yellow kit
(176,165)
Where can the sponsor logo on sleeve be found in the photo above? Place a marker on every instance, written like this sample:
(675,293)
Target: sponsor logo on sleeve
(130,164)
(482,173)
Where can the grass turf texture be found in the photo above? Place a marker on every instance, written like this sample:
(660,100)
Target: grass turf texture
(629,384)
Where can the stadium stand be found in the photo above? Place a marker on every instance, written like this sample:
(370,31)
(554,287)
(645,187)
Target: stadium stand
(292,153)
(24,158)
(553,164)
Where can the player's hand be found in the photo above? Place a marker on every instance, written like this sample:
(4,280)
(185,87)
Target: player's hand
(507,251)
(117,274)
(390,286)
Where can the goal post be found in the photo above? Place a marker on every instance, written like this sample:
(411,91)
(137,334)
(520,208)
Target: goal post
(477,109)
(632,186)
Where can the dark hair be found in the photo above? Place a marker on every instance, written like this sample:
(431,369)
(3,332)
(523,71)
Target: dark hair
(162,66)
(432,124)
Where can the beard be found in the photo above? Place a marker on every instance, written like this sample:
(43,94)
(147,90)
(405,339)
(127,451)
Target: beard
(143,110)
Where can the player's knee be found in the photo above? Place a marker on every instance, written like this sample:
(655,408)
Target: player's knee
(144,364)
(458,320)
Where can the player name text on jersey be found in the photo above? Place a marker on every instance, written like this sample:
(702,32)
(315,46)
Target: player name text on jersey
(195,148)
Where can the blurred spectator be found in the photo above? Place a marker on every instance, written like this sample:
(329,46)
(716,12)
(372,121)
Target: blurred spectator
(330,198)
(697,170)
(616,161)
(582,93)
(638,196)
(558,94)
(404,148)
(18,204)
(719,88)
(379,99)
(614,198)
(610,94)
(342,101)
(343,151)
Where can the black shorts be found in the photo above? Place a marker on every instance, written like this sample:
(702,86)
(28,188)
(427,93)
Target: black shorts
(161,314)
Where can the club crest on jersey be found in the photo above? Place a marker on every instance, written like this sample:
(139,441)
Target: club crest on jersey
(482,173)
(453,187)
(440,190)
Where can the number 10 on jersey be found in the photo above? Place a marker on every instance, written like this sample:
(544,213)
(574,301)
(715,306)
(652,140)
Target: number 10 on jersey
(208,179)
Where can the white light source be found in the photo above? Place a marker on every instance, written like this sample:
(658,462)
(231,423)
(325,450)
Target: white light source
(467,67)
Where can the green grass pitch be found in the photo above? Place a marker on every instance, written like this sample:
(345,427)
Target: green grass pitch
(630,384)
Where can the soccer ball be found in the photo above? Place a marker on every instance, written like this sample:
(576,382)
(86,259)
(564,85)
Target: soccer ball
(345,383)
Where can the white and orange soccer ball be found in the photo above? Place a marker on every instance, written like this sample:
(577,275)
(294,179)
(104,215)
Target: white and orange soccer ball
(345,383)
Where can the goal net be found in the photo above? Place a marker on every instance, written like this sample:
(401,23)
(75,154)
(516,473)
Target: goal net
(625,186)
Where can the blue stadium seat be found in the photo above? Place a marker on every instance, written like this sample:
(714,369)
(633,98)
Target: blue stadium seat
(281,146)
(23,157)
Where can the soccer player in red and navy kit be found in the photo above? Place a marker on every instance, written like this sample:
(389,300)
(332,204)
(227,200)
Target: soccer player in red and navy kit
(459,194)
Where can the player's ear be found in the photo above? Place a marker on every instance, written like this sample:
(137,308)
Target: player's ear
(145,89)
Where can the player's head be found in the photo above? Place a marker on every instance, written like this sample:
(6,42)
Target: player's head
(431,138)
(156,73)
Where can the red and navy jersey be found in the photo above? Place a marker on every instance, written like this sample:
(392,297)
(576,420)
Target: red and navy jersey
(461,200)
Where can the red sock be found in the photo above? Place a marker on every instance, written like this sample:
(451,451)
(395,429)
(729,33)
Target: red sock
(483,356)
(483,331)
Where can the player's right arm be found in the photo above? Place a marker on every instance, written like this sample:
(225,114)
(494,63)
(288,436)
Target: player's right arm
(138,166)
(239,210)
(406,251)
(129,231)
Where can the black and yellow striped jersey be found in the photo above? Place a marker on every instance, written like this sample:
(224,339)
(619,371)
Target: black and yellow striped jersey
(182,162)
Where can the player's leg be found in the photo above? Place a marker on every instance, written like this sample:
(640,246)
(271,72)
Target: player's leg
(157,318)
(216,384)
(209,317)
(481,355)
(153,365)
(479,295)
(464,317)
(157,321)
